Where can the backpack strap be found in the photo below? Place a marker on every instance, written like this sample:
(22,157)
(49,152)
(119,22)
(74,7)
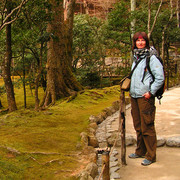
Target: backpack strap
(134,68)
(147,67)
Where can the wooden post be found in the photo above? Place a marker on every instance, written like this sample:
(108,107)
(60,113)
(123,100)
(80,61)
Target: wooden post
(122,127)
(105,162)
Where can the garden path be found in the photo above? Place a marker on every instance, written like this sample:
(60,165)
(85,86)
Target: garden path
(167,166)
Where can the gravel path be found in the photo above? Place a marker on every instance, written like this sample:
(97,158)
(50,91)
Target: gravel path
(168,131)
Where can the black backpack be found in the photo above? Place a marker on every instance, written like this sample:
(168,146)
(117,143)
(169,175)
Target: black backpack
(160,91)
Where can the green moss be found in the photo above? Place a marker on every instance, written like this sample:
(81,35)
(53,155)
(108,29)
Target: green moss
(55,130)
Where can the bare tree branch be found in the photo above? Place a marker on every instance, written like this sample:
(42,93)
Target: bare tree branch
(155,19)
(18,9)
(3,11)
(150,30)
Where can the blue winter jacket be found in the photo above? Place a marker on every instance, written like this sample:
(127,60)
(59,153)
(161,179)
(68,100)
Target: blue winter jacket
(137,87)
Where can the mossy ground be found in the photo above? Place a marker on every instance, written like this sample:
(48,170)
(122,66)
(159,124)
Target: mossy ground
(42,145)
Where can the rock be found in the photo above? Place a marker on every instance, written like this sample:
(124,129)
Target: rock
(108,135)
(115,175)
(93,157)
(127,100)
(93,125)
(173,141)
(114,169)
(85,176)
(103,144)
(161,141)
(92,140)
(78,146)
(108,111)
(93,119)
(112,109)
(88,150)
(130,140)
(113,164)
(112,138)
(92,169)
(102,116)
(91,130)
(84,139)
(114,153)
(115,105)
(113,159)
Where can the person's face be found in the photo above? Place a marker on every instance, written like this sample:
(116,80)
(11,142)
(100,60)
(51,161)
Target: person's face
(140,43)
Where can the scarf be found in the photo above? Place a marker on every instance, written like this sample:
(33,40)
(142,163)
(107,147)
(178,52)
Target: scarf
(141,53)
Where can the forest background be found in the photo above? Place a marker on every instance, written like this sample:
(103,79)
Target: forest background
(54,74)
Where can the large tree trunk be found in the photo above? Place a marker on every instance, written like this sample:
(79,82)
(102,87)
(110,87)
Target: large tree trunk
(60,79)
(69,78)
(6,68)
(69,25)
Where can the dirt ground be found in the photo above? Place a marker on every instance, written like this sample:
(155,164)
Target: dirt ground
(167,166)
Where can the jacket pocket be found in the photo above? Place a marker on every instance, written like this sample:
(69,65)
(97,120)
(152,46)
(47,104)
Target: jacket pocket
(149,115)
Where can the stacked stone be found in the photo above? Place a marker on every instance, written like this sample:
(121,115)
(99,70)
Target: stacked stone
(103,132)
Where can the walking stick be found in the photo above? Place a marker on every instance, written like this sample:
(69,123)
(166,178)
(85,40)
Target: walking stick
(122,127)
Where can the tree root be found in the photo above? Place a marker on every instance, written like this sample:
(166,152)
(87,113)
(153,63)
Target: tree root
(46,163)
(72,97)
(16,153)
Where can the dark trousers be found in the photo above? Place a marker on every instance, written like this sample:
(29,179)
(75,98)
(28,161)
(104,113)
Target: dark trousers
(143,114)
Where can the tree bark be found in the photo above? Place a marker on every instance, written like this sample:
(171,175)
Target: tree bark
(60,79)
(38,75)
(133,22)
(69,25)
(168,70)
(6,67)
(37,101)
(24,78)
(1,106)
(85,6)
(177,13)
(149,17)
(164,30)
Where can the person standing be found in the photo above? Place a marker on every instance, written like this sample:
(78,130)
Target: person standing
(142,91)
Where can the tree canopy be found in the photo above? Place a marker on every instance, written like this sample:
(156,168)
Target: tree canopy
(80,44)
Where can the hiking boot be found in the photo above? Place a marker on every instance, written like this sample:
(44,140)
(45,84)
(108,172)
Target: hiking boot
(134,155)
(146,162)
